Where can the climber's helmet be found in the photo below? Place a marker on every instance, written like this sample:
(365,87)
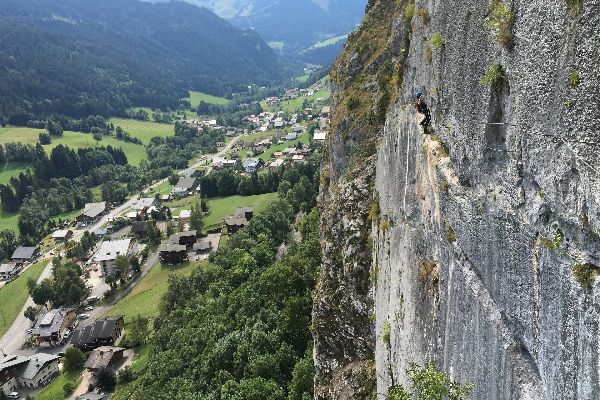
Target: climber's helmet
(418,95)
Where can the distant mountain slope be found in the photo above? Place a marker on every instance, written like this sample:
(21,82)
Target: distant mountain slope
(81,57)
(297,23)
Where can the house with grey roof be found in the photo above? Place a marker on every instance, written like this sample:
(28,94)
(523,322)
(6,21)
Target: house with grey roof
(145,203)
(234,224)
(91,212)
(103,332)
(204,246)
(110,250)
(50,325)
(251,165)
(9,271)
(27,371)
(25,254)
(185,186)
(62,235)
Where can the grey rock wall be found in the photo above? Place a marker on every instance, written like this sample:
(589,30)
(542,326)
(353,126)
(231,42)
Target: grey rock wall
(498,305)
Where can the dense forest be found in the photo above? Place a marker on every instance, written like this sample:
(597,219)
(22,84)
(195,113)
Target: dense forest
(99,58)
(240,328)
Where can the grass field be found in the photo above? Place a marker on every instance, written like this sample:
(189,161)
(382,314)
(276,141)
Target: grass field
(163,188)
(295,105)
(302,78)
(197,97)
(221,208)
(143,130)
(144,299)
(14,295)
(135,152)
(54,391)
(9,221)
(328,42)
(11,169)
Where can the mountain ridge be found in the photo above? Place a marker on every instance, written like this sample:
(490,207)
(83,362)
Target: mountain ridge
(123,53)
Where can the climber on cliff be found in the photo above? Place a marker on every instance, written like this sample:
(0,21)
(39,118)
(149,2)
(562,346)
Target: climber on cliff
(424,117)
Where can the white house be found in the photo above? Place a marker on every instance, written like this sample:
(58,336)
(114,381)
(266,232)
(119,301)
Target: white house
(320,136)
(110,250)
(26,371)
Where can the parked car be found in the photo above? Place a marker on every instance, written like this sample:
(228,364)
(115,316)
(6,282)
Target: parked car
(92,299)
(30,331)
(89,308)
(83,316)
(13,395)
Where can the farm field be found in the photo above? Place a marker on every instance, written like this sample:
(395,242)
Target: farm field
(143,130)
(14,295)
(135,152)
(197,97)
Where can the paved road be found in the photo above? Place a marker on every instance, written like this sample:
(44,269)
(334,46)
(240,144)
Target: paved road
(16,336)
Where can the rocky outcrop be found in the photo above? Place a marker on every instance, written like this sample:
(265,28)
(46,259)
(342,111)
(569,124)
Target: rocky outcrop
(484,242)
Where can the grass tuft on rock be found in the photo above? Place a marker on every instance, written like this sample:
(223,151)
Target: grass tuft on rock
(500,21)
(585,274)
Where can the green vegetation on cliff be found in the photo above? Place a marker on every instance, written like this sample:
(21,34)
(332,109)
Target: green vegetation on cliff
(363,98)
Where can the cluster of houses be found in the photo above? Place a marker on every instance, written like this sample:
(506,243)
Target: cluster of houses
(208,123)
(182,246)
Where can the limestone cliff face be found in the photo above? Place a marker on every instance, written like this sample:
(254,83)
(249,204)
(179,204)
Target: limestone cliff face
(483,237)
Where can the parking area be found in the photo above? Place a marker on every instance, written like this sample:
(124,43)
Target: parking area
(95,281)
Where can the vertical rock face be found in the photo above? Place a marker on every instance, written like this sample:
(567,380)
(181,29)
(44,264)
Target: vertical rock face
(484,248)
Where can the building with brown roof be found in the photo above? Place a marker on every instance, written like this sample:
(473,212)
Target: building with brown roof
(104,357)
(170,253)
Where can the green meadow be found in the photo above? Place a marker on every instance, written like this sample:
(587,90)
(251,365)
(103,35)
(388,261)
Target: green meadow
(143,130)
(11,169)
(14,295)
(76,140)
(196,97)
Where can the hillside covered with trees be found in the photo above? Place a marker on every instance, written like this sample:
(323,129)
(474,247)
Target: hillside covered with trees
(81,58)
